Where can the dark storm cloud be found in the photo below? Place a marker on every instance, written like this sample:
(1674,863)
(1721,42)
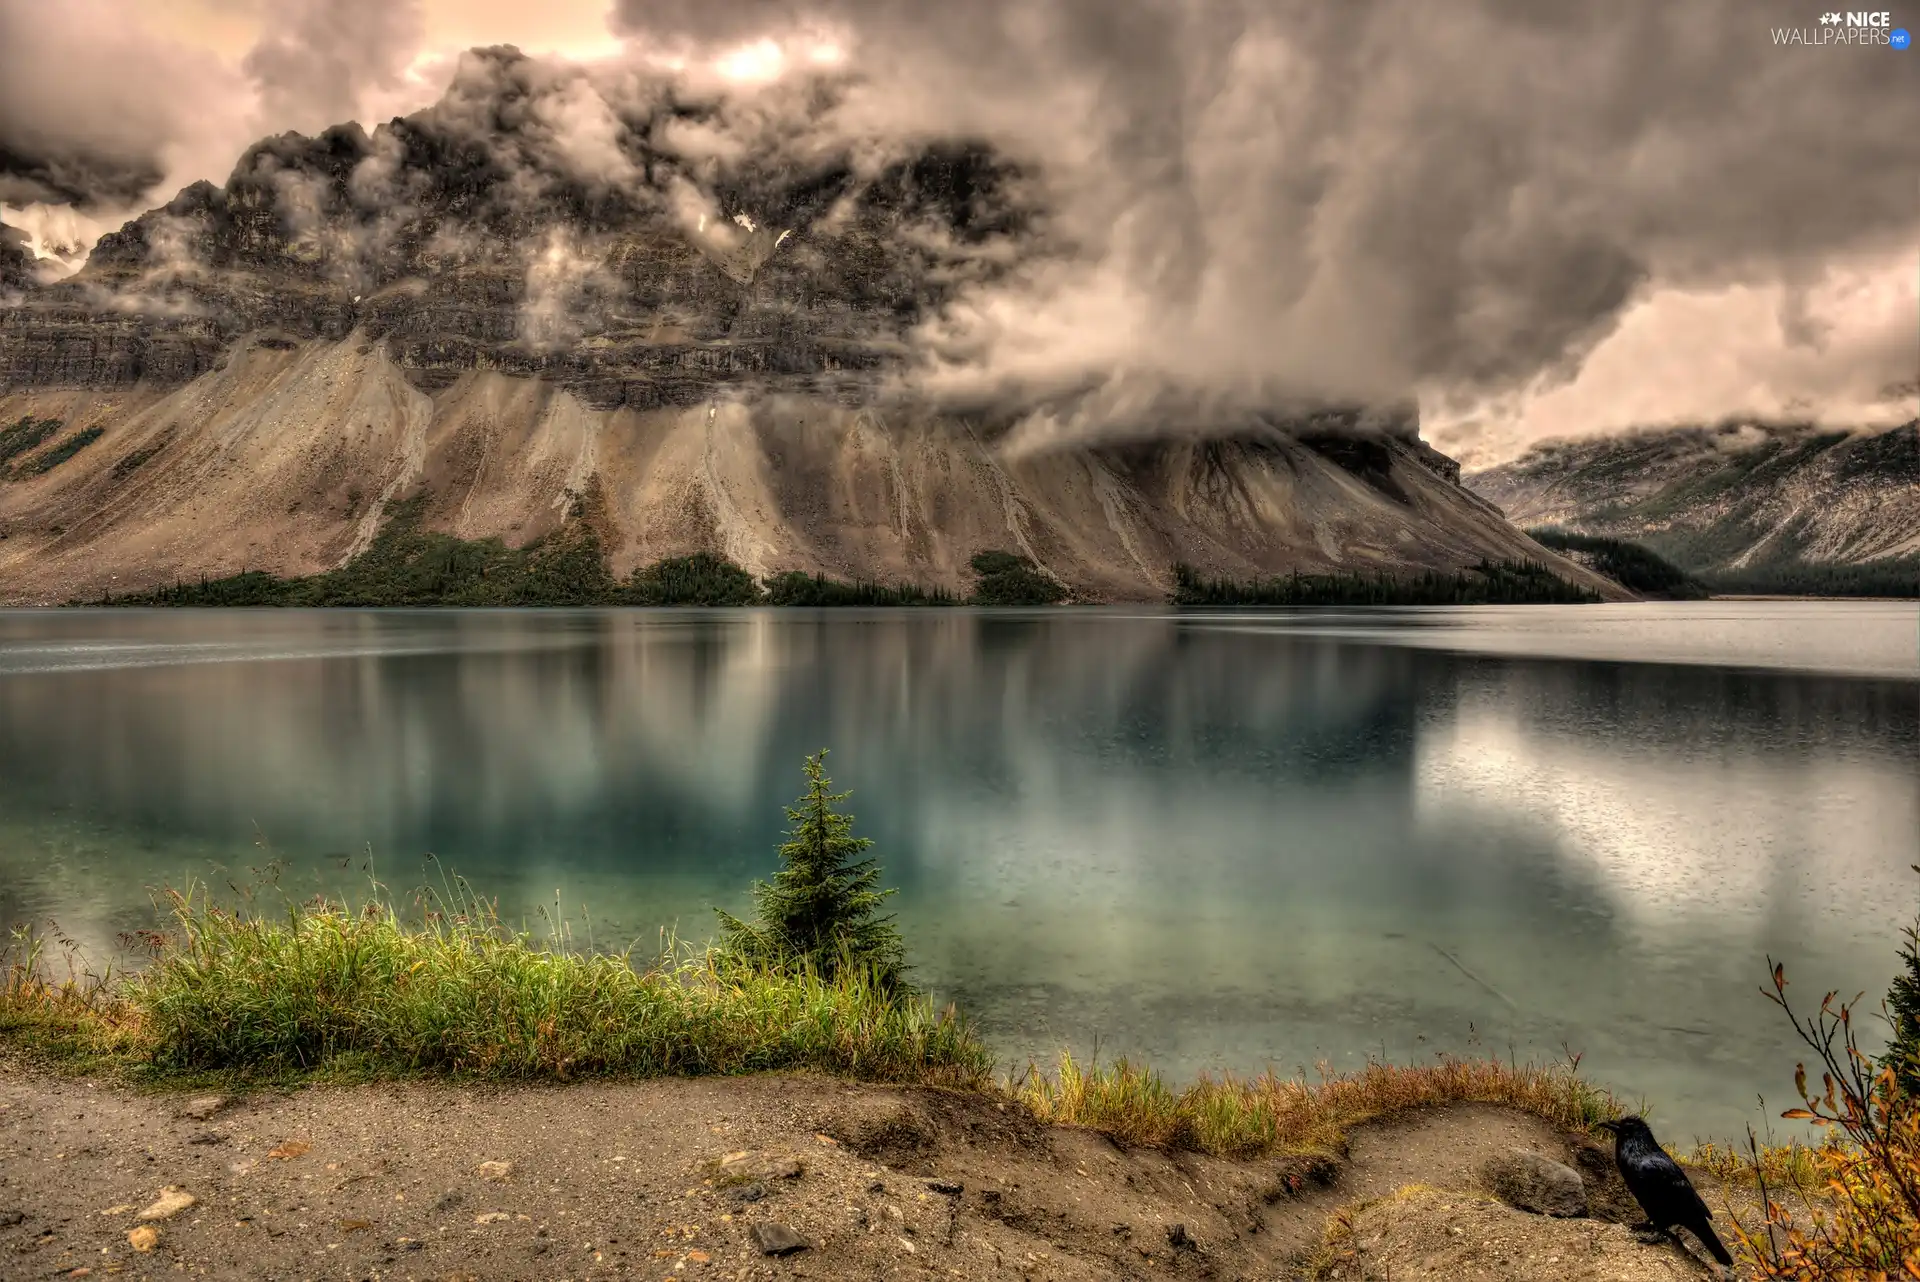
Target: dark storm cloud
(32,172)
(97,110)
(317,59)
(87,105)
(1362,197)
(1214,205)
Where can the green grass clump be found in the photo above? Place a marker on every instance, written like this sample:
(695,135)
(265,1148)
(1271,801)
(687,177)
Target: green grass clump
(329,988)
(815,981)
(78,1020)
(1633,567)
(1488,583)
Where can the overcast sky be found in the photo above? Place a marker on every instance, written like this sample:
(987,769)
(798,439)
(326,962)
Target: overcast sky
(1550,219)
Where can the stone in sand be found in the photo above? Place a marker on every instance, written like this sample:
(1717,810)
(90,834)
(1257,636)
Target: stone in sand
(201,1107)
(172,1200)
(1536,1183)
(760,1166)
(778,1239)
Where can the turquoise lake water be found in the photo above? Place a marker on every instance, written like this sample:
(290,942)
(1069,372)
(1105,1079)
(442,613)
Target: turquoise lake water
(1213,840)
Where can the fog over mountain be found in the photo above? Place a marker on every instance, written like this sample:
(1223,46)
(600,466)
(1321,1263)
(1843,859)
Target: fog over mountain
(1508,208)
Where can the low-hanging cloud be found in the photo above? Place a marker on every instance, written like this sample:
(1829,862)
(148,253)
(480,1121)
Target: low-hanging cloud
(104,114)
(1840,353)
(1223,205)
(90,103)
(319,62)
(1274,196)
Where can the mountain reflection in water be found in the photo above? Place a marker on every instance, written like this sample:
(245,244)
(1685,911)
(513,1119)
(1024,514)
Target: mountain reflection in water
(1214,840)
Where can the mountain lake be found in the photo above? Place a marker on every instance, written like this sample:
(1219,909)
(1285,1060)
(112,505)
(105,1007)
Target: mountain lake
(1208,840)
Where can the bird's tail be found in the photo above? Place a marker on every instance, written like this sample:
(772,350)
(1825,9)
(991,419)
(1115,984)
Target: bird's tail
(1711,1241)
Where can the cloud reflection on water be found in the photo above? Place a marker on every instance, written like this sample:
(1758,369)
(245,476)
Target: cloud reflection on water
(1217,848)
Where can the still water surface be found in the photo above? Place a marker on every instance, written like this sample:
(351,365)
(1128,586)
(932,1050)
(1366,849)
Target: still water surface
(1216,841)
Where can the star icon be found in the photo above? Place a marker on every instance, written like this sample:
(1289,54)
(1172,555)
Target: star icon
(1830,19)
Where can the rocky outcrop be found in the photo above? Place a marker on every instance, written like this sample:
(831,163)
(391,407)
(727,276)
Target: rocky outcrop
(16,262)
(425,239)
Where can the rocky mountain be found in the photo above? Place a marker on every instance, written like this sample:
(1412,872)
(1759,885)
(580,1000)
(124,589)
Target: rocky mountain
(1745,507)
(16,263)
(494,305)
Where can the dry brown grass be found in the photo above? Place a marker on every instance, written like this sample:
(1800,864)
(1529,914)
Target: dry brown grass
(1779,1165)
(76,1018)
(1245,1117)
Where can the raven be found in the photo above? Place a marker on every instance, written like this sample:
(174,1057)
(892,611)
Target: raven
(1660,1186)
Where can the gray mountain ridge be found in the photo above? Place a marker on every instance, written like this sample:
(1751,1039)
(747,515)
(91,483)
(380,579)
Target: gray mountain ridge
(444,306)
(1749,507)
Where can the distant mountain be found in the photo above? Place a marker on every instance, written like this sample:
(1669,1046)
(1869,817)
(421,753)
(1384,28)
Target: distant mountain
(458,308)
(1777,509)
(1629,564)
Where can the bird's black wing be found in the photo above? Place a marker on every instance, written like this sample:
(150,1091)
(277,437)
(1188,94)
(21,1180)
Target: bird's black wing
(1662,1179)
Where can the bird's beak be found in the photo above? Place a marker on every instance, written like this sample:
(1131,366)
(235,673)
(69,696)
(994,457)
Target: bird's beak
(1610,1126)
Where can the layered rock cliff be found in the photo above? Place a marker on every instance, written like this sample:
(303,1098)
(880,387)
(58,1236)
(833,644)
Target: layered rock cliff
(16,264)
(454,304)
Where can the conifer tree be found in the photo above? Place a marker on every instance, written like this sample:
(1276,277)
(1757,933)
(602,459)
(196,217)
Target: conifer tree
(822,908)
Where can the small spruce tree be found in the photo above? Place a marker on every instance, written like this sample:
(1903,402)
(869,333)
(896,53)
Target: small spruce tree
(821,909)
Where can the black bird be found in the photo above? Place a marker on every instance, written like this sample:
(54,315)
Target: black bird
(1660,1186)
